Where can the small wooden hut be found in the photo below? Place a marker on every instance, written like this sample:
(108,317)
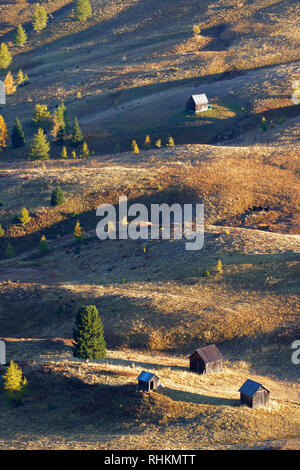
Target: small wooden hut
(2,353)
(206,360)
(147,382)
(197,103)
(2,93)
(254,394)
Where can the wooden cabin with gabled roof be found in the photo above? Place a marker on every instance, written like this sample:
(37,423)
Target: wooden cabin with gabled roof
(206,360)
(253,394)
(197,103)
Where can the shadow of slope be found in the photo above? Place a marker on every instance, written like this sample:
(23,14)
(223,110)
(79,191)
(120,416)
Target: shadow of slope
(181,395)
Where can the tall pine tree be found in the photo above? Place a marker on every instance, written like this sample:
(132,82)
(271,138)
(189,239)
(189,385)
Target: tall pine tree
(17,135)
(20,36)
(40,147)
(88,336)
(83,10)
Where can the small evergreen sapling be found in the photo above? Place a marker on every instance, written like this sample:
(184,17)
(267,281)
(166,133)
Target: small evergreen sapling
(3,133)
(57,197)
(40,18)
(20,36)
(85,153)
(170,142)
(88,335)
(83,10)
(17,135)
(40,147)
(44,247)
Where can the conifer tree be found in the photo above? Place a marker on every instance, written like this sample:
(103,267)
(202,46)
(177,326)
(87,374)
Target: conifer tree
(40,18)
(2,231)
(88,335)
(9,251)
(15,385)
(219,267)
(9,84)
(41,116)
(85,153)
(5,56)
(44,248)
(147,142)
(17,135)
(57,197)
(135,147)
(40,147)
(20,36)
(79,233)
(24,216)
(64,153)
(63,117)
(73,154)
(3,134)
(77,137)
(170,142)
(158,143)
(20,77)
(83,10)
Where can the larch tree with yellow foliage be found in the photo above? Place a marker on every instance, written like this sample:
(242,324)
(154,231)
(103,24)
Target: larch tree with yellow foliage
(15,385)
(3,133)
(79,233)
(9,84)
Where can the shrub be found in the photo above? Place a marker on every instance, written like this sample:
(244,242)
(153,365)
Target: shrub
(57,197)
(196,30)
(15,385)
(88,335)
(264,124)
(9,251)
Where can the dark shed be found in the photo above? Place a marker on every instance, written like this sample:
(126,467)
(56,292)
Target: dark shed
(197,103)
(148,382)
(254,394)
(206,360)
